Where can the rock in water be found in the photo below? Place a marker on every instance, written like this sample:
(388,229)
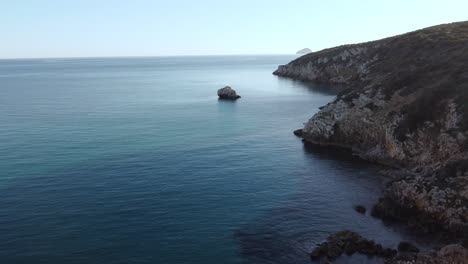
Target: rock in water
(360,209)
(227,93)
(298,132)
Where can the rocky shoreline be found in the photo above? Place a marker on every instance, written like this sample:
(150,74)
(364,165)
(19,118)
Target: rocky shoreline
(405,105)
(349,243)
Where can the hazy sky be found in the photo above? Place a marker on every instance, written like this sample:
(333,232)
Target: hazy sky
(93,28)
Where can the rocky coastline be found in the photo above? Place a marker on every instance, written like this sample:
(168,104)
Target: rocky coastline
(349,243)
(404,104)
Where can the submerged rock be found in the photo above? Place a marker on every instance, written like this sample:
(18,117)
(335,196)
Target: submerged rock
(227,93)
(360,209)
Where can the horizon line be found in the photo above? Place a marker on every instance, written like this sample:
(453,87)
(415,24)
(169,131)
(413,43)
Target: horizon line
(146,56)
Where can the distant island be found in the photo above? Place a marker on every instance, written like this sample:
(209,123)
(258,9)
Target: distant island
(304,51)
(404,104)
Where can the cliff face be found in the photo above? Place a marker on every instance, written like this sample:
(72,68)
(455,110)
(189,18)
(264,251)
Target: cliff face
(405,104)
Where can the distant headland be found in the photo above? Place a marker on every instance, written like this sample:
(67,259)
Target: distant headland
(304,51)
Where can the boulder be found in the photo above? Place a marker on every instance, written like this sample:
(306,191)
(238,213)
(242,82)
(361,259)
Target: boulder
(227,93)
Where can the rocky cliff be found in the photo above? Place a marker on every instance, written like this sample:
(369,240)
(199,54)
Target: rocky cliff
(404,104)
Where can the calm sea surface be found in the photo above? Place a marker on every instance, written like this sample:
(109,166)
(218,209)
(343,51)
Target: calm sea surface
(134,160)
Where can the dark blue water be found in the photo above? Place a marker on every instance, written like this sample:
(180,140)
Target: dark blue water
(135,160)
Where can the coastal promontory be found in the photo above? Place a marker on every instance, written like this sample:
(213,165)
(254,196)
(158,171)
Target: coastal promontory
(404,104)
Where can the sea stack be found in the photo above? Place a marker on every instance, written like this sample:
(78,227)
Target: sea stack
(227,93)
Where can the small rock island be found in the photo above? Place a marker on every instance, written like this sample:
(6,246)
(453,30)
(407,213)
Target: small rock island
(304,51)
(227,93)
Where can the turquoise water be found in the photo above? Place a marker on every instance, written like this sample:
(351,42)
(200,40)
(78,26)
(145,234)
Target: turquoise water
(134,160)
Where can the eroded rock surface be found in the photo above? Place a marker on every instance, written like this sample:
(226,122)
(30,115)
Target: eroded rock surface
(451,254)
(349,243)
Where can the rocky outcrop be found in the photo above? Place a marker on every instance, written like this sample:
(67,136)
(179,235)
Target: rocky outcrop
(336,66)
(298,132)
(349,243)
(227,93)
(432,201)
(450,254)
(404,104)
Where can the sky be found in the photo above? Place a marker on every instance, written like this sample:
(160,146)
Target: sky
(102,28)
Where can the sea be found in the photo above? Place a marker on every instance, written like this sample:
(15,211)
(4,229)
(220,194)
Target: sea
(135,160)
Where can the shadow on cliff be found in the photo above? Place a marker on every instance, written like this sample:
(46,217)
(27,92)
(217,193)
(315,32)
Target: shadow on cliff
(335,153)
(313,87)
